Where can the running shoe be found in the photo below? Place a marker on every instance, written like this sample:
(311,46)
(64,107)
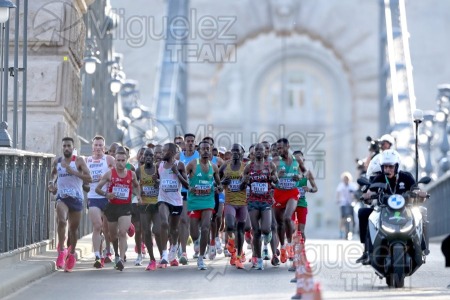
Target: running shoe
(197,245)
(172,252)
(233,259)
(102,261)
(275,261)
(260,264)
(151,266)
(254,261)
(226,252)
(184,259)
(61,259)
(212,252)
(138,261)
(218,245)
(291,268)
(119,265)
(131,231)
(201,264)
(108,258)
(265,253)
(283,256)
(98,263)
(174,263)
(164,258)
(161,266)
(290,252)
(230,246)
(239,264)
(70,262)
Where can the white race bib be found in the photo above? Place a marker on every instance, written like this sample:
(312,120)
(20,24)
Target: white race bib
(235,185)
(68,193)
(302,192)
(202,189)
(286,184)
(260,188)
(169,185)
(149,191)
(122,193)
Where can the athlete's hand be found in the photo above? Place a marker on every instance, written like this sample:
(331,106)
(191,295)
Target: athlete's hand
(296,177)
(52,188)
(110,196)
(174,169)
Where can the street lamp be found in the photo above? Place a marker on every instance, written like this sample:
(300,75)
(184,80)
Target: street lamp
(418,117)
(5,5)
(90,64)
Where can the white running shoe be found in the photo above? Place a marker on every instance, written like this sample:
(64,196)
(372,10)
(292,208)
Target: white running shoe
(218,245)
(201,264)
(173,252)
(211,252)
(138,261)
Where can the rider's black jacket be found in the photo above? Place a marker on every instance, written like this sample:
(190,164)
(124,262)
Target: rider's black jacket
(399,184)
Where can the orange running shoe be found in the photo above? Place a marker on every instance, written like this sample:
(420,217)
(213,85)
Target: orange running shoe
(290,252)
(233,259)
(283,256)
(239,264)
(230,246)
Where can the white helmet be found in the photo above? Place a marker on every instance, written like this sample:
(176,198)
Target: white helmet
(374,166)
(389,157)
(388,138)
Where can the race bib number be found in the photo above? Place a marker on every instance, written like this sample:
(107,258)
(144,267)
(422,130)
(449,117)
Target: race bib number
(68,193)
(96,175)
(169,185)
(302,192)
(260,188)
(286,184)
(121,193)
(149,191)
(235,185)
(202,189)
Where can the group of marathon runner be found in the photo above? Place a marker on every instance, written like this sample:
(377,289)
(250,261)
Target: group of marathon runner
(182,189)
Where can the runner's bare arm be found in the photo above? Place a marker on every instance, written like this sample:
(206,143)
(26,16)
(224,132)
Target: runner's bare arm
(181,174)
(83,171)
(106,178)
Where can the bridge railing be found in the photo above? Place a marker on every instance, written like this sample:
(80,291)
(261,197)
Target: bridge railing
(439,206)
(27,210)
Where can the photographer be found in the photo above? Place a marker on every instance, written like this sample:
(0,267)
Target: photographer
(384,143)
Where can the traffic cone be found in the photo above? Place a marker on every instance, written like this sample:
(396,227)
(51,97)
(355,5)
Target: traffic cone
(296,243)
(301,278)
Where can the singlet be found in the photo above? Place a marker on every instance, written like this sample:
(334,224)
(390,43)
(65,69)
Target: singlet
(169,186)
(203,197)
(234,195)
(121,187)
(302,200)
(97,167)
(149,193)
(186,159)
(69,185)
(260,187)
(285,182)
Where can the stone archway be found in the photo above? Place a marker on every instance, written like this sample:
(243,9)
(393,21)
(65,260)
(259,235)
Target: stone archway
(341,57)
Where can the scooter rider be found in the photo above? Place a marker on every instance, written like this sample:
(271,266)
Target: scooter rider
(398,182)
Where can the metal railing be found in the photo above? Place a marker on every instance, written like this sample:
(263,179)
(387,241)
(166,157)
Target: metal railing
(439,206)
(27,210)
